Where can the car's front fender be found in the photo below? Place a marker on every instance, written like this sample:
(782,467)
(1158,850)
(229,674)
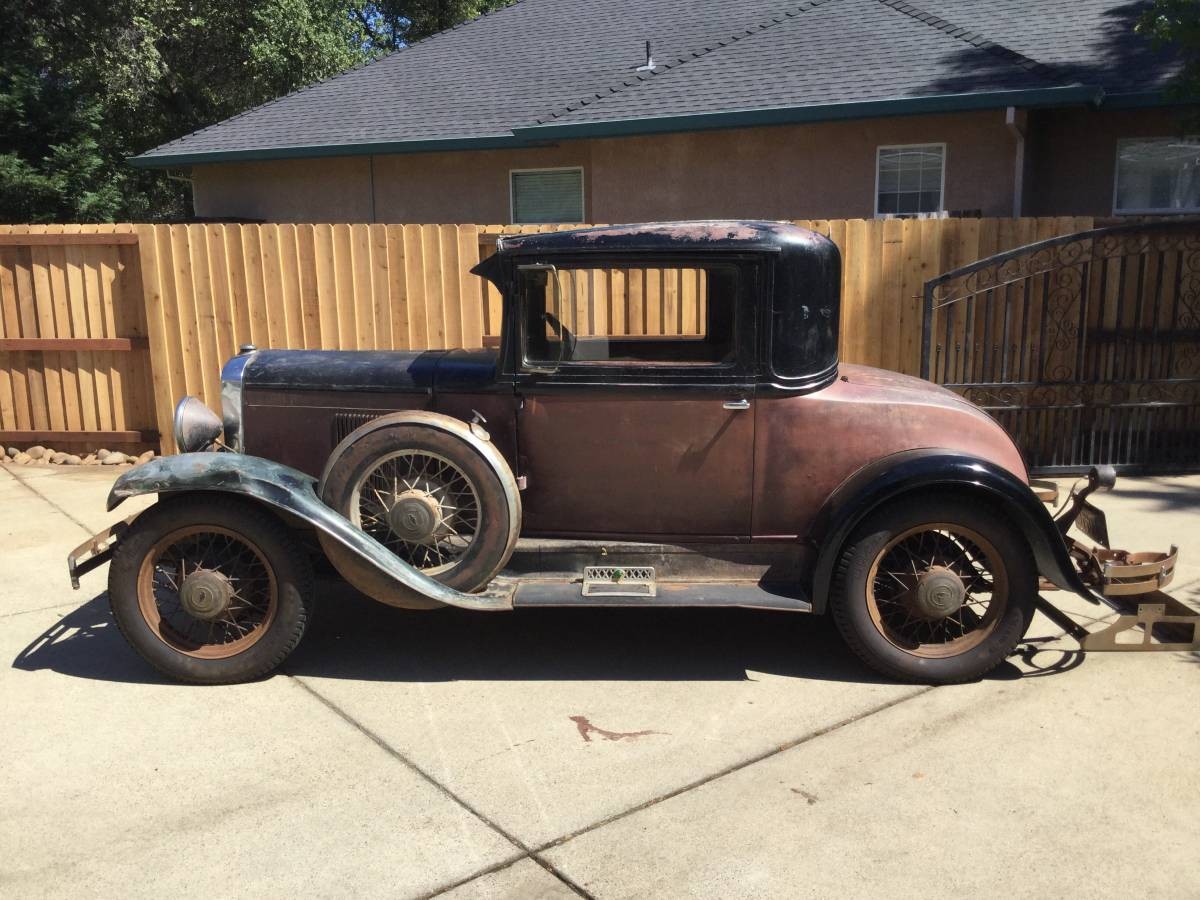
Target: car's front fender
(932,469)
(290,491)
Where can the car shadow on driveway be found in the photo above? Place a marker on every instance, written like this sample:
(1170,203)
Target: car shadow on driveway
(85,643)
(353,637)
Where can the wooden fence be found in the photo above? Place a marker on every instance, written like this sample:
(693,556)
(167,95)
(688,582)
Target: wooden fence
(74,371)
(197,292)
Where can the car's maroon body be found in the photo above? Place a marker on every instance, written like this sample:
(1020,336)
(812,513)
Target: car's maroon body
(627,454)
(638,464)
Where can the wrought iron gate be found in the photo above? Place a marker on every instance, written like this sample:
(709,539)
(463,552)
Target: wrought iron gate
(1085,347)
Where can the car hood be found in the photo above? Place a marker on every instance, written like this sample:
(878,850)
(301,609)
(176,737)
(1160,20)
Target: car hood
(369,370)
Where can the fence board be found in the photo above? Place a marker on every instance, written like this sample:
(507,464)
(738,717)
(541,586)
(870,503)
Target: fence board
(364,304)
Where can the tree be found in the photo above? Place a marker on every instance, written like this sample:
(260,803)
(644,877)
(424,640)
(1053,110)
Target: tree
(1176,24)
(391,24)
(85,84)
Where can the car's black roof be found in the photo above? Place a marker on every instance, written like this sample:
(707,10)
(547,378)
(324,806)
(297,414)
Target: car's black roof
(731,234)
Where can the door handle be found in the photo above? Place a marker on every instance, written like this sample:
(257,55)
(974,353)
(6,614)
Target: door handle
(743,403)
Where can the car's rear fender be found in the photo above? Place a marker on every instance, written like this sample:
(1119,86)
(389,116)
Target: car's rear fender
(918,472)
(289,491)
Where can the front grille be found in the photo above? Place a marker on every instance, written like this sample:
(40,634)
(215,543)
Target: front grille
(346,422)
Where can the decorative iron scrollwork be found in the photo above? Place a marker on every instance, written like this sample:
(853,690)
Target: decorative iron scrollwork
(1086,346)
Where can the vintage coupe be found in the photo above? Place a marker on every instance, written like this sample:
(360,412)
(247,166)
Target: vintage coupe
(663,422)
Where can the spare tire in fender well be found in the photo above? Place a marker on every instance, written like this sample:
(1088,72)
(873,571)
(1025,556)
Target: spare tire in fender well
(448,439)
(929,469)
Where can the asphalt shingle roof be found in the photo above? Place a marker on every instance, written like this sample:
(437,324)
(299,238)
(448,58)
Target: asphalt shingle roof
(498,79)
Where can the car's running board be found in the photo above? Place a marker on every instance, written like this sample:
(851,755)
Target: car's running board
(570,593)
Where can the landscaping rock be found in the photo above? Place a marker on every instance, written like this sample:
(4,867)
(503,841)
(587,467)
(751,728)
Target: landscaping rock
(58,457)
(145,457)
(22,458)
(11,452)
(70,459)
(114,458)
(100,454)
(90,460)
(36,452)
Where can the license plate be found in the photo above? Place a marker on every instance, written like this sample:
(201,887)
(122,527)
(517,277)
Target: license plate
(1092,522)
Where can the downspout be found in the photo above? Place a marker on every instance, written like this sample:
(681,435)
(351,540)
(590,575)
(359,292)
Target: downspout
(371,161)
(1015,120)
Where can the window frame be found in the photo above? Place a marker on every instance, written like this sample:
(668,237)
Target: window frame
(944,147)
(1146,211)
(735,370)
(512,192)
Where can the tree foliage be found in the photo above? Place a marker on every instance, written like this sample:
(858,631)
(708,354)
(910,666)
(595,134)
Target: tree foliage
(85,84)
(1176,24)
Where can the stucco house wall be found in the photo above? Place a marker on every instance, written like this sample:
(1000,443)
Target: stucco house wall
(824,170)
(1073,156)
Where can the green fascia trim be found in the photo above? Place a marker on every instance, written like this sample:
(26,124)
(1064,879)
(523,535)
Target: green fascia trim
(164,160)
(786,115)
(534,135)
(1142,100)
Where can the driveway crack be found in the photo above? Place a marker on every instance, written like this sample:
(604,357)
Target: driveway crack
(25,484)
(526,851)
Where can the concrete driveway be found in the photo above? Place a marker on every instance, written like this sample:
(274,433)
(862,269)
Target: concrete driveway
(596,753)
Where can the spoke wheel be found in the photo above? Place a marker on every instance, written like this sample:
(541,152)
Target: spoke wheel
(207,592)
(421,506)
(937,590)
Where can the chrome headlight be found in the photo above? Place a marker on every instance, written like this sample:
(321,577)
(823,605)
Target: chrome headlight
(231,400)
(196,426)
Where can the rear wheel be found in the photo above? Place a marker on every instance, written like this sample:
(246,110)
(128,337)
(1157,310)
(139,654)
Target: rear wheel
(210,590)
(935,590)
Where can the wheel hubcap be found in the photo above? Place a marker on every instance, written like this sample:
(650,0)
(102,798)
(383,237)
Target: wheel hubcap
(206,594)
(415,516)
(940,593)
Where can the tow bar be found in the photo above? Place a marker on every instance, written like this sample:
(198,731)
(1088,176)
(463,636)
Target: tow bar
(1155,621)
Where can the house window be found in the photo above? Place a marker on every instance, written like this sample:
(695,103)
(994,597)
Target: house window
(546,195)
(909,179)
(1159,175)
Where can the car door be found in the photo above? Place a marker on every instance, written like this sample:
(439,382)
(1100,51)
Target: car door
(639,422)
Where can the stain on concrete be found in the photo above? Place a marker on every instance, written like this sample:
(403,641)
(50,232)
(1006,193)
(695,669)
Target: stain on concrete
(587,729)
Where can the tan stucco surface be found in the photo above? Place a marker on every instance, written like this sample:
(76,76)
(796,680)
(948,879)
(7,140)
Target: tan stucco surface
(824,170)
(1074,156)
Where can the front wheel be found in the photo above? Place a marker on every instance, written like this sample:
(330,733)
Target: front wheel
(210,590)
(934,590)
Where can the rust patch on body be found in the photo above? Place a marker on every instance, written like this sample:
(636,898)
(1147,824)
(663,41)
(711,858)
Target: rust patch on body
(587,729)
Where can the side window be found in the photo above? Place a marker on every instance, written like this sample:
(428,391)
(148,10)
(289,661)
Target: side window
(645,317)
(546,195)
